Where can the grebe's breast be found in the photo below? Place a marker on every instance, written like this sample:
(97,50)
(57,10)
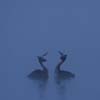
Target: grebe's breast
(38,75)
(64,75)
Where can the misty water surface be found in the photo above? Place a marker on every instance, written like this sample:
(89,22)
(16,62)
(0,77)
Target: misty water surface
(28,28)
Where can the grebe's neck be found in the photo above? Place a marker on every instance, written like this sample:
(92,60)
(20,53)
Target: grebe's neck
(59,65)
(43,66)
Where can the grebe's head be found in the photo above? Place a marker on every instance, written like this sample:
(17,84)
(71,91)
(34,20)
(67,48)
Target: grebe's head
(41,58)
(63,57)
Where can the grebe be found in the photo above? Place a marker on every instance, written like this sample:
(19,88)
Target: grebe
(61,74)
(40,74)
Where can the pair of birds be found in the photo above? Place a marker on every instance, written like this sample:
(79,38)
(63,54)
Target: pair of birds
(43,74)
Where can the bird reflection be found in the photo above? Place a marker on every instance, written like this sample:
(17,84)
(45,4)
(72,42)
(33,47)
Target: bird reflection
(63,89)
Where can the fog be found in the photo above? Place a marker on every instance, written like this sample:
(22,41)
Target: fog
(29,28)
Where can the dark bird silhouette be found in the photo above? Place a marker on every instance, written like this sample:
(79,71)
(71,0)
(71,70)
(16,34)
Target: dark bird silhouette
(40,74)
(61,74)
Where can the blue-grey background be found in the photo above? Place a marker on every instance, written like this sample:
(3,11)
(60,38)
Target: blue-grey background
(30,27)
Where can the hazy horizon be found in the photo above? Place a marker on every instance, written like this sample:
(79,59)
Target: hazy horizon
(30,28)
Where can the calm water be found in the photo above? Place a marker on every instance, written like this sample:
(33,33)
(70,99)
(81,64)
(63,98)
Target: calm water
(28,28)
(83,62)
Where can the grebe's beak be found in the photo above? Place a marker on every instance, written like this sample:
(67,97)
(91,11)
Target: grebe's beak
(45,54)
(60,53)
